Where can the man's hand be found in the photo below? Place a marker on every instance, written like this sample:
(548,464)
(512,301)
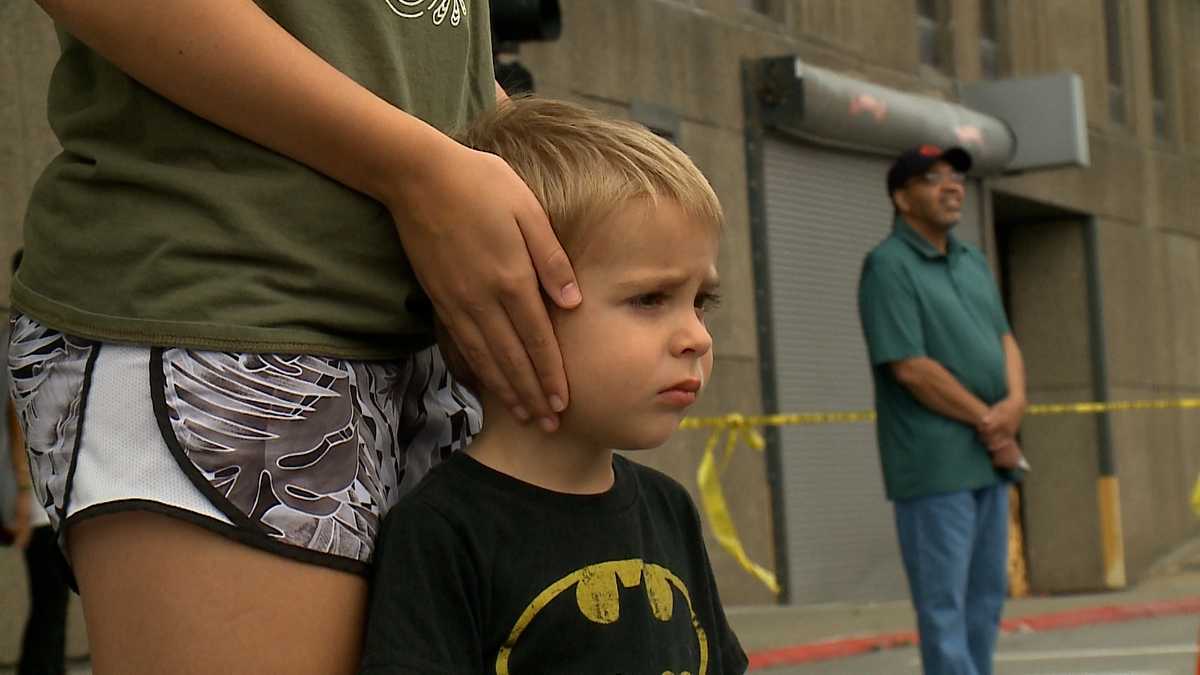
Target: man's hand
(1001,421)
(481,246)
(1008,455)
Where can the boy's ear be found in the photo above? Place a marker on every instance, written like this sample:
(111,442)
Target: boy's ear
(900,199)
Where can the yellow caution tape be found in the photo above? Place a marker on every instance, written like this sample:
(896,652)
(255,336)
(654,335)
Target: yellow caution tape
(794,419)
(1093,408)
(708,476)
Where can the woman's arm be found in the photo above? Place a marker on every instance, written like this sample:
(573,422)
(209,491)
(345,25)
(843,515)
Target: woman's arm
(477,238)
(230,63)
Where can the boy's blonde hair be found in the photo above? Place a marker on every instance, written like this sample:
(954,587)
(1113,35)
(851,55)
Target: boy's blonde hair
(583,166)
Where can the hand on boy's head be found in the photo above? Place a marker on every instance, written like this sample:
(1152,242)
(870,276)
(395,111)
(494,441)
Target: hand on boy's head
(481,245)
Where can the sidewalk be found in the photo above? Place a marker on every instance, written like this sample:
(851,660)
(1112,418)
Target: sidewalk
(775,635)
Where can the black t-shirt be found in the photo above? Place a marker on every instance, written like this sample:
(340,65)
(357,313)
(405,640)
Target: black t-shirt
(477,572)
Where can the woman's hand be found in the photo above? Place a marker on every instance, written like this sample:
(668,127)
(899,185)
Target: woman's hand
(476,236)
(480,243)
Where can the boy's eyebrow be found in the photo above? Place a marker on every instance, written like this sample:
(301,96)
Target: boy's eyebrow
(668,279)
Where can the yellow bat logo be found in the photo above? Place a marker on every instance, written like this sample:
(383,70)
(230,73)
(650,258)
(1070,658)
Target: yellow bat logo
(596,595)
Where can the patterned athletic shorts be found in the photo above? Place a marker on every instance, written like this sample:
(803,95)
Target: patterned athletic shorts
(298,455)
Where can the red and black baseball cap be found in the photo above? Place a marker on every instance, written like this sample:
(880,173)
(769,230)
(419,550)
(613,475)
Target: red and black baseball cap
(916,161)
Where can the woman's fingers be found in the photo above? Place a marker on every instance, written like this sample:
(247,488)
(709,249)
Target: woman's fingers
(474,349)
(549,259)
(514,362)
(527,313)
(527,310)
(497,356)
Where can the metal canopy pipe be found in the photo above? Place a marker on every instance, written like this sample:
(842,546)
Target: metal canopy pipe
(829,108)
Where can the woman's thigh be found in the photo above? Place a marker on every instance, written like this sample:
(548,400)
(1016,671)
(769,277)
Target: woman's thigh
(161,595)
(220,509)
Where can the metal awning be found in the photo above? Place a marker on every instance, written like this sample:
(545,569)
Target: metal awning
(829,108)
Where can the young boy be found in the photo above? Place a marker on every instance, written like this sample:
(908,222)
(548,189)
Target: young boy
(536,552)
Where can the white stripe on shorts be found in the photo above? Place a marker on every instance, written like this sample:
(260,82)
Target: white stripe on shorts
(122,454)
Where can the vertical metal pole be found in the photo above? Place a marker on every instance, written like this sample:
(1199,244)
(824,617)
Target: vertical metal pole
(756,196)
(1108,491)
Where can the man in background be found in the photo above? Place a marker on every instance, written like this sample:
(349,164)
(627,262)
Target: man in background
(949,396)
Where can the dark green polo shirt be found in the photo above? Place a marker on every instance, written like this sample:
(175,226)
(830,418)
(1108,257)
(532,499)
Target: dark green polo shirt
(916,301)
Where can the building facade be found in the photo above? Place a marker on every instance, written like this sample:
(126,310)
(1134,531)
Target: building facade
(1099,265)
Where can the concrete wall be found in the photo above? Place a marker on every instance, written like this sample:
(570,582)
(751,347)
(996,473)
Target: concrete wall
(1048,278)
(27,51)
(1141,189)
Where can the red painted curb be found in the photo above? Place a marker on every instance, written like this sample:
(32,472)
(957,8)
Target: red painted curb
(1105,614)
(827,650)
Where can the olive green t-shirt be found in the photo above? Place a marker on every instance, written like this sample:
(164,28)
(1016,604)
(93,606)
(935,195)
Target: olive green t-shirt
(157,227)
(916,301)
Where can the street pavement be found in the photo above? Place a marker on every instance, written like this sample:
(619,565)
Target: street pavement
(1160,615)
(1165,646)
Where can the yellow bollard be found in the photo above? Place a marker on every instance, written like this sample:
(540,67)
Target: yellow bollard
(1018,575)
(1196,498)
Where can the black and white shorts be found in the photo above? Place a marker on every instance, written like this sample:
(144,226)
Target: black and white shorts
(297,455)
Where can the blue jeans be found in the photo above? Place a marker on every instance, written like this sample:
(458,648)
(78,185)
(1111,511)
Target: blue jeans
(955,550)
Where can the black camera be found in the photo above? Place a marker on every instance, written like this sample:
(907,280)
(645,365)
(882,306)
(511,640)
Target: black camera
(514,22)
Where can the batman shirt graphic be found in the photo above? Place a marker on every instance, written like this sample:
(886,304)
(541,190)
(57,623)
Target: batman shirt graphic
(477,572)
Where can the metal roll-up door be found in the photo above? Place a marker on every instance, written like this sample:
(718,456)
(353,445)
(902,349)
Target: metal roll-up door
(825,209)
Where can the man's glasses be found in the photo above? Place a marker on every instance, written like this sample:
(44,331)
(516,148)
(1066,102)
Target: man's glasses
(937,178)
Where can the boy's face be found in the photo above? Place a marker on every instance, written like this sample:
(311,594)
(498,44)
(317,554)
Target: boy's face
(637,351)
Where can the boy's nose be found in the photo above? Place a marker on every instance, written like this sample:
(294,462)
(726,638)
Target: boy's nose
(692,338)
